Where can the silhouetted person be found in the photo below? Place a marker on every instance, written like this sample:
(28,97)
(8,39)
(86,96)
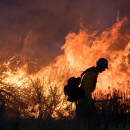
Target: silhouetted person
(85,108)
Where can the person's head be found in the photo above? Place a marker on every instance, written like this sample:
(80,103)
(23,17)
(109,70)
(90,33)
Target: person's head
(102,64)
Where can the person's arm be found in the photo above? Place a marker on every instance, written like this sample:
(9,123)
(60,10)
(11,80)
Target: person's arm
(89,83)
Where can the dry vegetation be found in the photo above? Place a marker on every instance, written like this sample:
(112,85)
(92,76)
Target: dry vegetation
(31,108)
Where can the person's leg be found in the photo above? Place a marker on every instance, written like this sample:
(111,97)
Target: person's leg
(83,108)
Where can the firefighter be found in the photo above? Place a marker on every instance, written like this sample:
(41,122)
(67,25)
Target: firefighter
(85,108)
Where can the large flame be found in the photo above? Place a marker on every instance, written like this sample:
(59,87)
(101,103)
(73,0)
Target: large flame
(81,51)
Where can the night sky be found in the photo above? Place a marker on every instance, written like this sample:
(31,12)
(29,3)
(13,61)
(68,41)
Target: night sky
(51,20)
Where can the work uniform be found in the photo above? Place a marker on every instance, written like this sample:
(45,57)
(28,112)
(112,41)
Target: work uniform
(85,108)
(89,80)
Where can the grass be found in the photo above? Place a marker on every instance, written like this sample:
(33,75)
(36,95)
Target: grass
(32,109)
(51,124)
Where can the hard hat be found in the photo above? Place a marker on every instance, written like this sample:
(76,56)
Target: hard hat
(103,62)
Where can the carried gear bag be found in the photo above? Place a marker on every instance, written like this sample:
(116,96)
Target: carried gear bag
(72,90)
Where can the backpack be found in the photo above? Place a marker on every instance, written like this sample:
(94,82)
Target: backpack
(72,90)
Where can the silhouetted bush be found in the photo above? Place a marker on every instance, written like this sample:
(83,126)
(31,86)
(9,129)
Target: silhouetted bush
(37,107)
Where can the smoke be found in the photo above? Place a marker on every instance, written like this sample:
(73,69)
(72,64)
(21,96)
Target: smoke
(51,20)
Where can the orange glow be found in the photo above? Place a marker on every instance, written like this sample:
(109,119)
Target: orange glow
(81,51)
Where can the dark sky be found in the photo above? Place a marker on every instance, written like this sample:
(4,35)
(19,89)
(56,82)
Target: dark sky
(51,20)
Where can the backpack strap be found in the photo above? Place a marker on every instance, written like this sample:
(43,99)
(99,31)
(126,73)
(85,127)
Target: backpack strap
(89,69)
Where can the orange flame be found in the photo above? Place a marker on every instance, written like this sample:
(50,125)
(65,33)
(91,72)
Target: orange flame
(82,50)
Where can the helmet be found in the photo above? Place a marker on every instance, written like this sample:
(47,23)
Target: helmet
(103,62)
